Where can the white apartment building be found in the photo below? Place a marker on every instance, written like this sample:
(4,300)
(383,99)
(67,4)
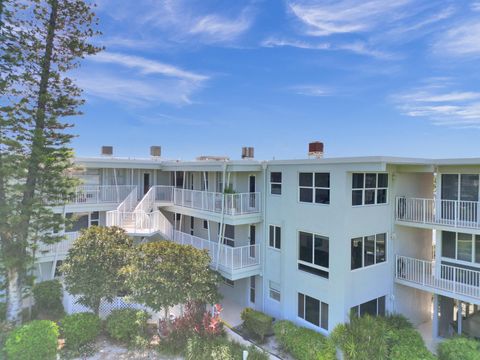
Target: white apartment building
(305,240)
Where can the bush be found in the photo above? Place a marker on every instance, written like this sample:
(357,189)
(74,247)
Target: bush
(5,330)
(35,340)
(80,329)
(127,325)
(257,323)
(48,297)
(303,343)
(459,348)
(3,311)
(219,349)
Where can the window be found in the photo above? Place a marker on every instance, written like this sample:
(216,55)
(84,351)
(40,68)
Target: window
(192,225)
(274,291)
(375,307)
(276,183)
(275,236)
(94,218)
(229,236)
(205,224)
(368,250)
(313,254)
(228,282)
(369,188)
(461,246)
(77,221)
(314,187)
(58,265)
(252,289)
(312,310)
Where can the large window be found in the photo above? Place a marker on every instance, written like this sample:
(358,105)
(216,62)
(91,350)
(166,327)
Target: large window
(375,307)
(312,310)
(313,254)
(461,246)
(368,250)
(276,183)
(369,188)
(229,235)
(275,237)
(314,187)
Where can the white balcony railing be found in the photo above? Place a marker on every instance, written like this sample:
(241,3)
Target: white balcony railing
(235,204)
(139,222)
(448,278)
(95,194)
(441,212)
(59,248)
(228,258)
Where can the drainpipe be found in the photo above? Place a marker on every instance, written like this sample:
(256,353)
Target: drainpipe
(221,232)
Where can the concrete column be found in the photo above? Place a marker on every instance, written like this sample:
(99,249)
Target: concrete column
(459,317)
(435,317)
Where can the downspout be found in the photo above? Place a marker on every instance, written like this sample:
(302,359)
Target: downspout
(221,232)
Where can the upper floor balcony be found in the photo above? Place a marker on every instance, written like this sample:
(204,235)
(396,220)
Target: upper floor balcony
(57,250)
(444,213)
(95,194)
(452,281)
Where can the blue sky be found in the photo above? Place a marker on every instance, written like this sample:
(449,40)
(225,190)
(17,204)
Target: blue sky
(371,77)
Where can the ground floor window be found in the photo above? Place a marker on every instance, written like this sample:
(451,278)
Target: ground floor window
(313,310)
(375,307)
(274,291)
(228,282)
(252,289)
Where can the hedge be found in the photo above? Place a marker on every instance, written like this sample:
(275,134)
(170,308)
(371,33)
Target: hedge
(127,325)
(219,348)
(257,323)
(35,340)
(48,297)
(80,329)
(303,343)
(459,348)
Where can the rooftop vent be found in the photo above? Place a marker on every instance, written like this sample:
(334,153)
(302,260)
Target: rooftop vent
(315,150)
(107,150)
(155,151)
(247,152)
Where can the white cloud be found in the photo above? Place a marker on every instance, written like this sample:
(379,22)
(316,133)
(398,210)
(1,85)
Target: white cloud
(441,105)
(311,90)
(460,40)
(219,29)
(475,6)
(274,42)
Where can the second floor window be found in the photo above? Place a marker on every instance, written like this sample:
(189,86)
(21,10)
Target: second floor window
(368,250)
(369,188)
(276,183)
(314,187)
(313,254)
(275,236)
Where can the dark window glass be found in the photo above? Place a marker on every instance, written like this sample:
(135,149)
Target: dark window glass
(477,248)
(357,253)
(306,179)
(276,189)
(272,236)
(321,251)
(306,247)
(322,196)
(381,196)
(369,248)
(448,244)
(382,180)
(369,197)
(357,197)
(370,180)
(205,224)
(276,177)
(381,249)
(313,270)
(322,180)
(301,306)
(306,195)
(464,247)
(468,187)
(369,307)
(450,186)
(58,266)
(354,311)
(78,222)
(192,222)
(357,181)
(324,312)
(381,306)
(278,237)
(312,310)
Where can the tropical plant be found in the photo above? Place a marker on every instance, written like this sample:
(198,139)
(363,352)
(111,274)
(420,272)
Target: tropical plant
(127,325)
(48,297)
(80,329)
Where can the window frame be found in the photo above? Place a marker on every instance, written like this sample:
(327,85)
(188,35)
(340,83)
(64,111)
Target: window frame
(302,263)
(314,188)
(274,290)
(275,243)
(473,261)
(357,308)
(376,189)
(276,183)
(321,306)
(363,266)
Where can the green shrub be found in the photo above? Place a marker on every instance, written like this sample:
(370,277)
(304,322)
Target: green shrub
(303,343)
(219,348)
(3,311)
(127,325)
(48,297)
(80,329)
(35,340)
(459,348)
(5,330)
(257,323)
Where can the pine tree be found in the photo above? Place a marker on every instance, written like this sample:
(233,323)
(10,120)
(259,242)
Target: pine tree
(42,41)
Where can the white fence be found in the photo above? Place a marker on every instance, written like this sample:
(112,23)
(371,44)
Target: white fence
(453,279)
(228,258)
(442,212)
(93,194)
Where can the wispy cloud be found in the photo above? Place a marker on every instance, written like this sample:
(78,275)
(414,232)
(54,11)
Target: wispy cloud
(311,90)
(475,6)
(442,106)
(462,39)
(215,28)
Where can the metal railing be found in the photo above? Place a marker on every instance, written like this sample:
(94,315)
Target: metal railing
(449,278)
(228,258)
(59,248)
(140,222)
(456,213)
(95,194)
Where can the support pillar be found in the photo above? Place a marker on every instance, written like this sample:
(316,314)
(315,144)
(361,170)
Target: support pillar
(435,317)
(459,317)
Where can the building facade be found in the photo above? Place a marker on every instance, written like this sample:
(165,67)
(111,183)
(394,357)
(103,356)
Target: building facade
(314,241)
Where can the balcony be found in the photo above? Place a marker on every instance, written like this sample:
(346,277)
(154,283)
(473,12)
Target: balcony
(98,194)
(233,262)
(452,281)
(58,250)
(447,213)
